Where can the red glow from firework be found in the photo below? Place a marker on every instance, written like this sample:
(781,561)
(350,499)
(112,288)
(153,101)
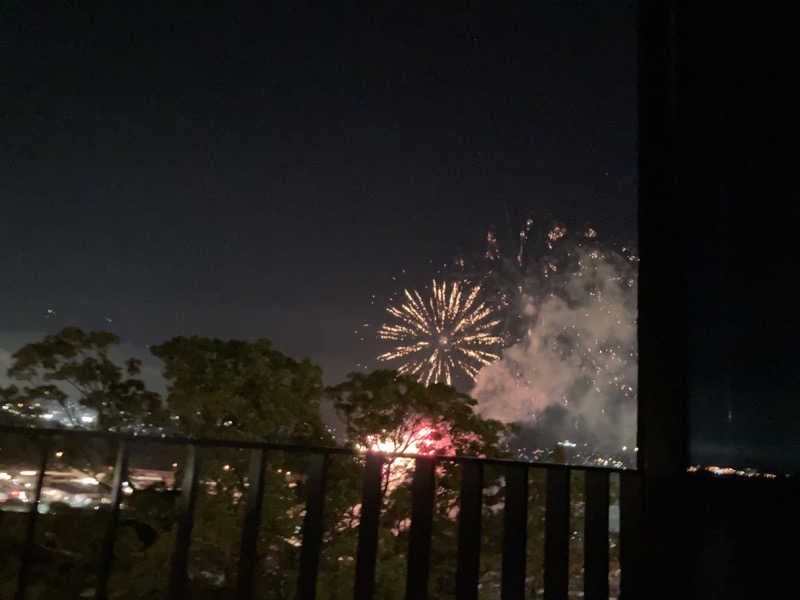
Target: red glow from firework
(422,439)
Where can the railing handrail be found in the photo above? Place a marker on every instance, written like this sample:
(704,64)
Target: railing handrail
(288,447)
(556,538)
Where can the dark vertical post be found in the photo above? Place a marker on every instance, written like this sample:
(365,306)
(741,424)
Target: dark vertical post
(556,541)
(515,526)
(469,531)
(419,539)
(312,527)
(595,551)
(27,553)
(252,524)
(368,528)
(107,553)
(630,508)
(180,555)
(668,156)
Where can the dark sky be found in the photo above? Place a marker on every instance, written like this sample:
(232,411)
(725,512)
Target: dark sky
(247,174)
(244,174)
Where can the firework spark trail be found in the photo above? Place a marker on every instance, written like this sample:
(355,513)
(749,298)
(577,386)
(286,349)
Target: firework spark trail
(450,333)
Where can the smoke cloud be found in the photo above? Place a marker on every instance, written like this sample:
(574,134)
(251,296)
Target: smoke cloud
(572,375)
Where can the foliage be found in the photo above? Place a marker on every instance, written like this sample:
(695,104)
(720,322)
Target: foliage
(392,408)
(244,391)
(73,362)
(233,389)
(73,370)
(250,391)
(396,412)
(241,390)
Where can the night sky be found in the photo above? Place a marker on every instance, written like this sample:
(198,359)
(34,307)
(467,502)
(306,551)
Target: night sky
(246,174)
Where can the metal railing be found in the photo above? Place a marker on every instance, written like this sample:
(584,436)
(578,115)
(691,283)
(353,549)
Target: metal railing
(557,516)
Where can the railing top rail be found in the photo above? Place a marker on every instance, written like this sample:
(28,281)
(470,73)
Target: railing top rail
(278,446)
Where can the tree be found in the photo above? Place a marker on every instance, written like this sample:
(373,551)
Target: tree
(244,391)
(386,407)
(233,389)
(72,369)
(393,412)
(250,391)
(241,390)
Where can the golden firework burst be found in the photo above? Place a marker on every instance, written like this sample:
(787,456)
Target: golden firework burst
(449,332)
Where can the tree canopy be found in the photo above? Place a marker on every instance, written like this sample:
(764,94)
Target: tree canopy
(72,368)
(386,407)
(248,390)
(241,390)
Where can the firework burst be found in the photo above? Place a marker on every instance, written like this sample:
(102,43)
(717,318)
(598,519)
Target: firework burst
(449,333)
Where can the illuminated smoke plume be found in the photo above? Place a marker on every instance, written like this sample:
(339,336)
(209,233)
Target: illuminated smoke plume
(570,366)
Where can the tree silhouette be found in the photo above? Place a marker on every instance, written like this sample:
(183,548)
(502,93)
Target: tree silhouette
(72,369)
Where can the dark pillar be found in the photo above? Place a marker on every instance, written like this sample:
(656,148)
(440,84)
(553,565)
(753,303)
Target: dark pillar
(663,233)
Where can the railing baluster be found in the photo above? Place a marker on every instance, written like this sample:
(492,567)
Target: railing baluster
(630,505)
(312,527)
(469,531)
(107,553)
(515,519)
(27,553)
(252,524)
(556,542)
(186,502)
(368,528)
(556,559)
(595,550)
(419,539)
